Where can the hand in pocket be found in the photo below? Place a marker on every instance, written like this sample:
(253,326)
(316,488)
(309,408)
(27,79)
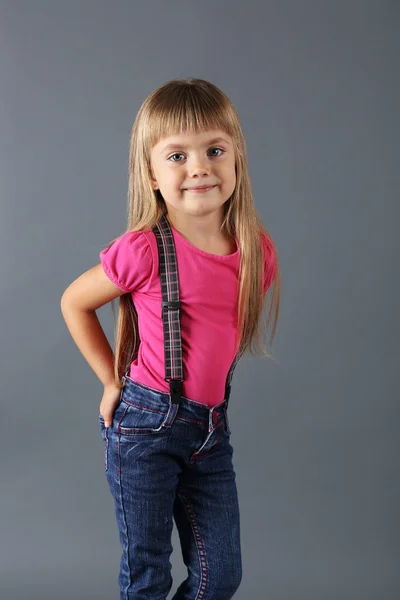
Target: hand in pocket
(109,403)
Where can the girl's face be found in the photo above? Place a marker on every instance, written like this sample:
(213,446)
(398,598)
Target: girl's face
(181,162)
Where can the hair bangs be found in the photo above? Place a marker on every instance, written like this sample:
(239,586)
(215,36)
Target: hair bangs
(186,110)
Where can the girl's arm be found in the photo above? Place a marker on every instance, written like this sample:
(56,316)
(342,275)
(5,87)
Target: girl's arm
(79,303)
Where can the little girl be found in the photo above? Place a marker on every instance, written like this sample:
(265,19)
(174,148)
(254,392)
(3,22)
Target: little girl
(191,271)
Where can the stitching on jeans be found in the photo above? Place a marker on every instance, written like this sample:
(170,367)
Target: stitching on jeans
(190,420)
(156,410)
(122,416)
(106,450)
(133,430)
(147,387)
(122,429)
(200,546)
(197,456)
(142,406)
(119,482)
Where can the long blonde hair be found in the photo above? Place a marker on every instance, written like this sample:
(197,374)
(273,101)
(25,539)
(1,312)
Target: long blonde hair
(192,106)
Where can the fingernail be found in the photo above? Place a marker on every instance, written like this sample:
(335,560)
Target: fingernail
(107,424)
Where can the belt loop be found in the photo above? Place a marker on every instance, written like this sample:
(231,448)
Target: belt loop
(211,414)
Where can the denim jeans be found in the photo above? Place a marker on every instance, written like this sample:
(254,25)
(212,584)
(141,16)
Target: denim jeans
(166,461)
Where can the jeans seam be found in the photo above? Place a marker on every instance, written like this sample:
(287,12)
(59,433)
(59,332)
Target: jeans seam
(123,513)
(199,541)
(106,449)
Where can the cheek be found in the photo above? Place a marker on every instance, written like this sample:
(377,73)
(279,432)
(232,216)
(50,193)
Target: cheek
(172,179)
(229,177)
(232,184)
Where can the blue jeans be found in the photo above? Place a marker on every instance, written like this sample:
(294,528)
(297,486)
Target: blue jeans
(167,461)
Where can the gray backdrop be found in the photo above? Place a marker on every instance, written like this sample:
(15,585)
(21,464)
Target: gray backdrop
(315,432)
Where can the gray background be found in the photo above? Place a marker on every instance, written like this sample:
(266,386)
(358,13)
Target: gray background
(315,432)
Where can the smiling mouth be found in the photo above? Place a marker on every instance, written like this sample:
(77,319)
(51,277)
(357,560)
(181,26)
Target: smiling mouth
(200,190)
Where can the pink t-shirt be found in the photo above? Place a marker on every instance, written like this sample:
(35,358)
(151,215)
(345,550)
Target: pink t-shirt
(208,287)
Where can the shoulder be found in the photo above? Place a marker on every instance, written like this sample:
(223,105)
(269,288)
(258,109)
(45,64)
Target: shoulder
(127,241)
(127,260)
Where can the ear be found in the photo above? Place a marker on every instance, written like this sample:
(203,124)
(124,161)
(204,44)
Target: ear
(153,181)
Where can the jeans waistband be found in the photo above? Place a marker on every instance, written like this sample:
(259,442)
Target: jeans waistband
(134,391)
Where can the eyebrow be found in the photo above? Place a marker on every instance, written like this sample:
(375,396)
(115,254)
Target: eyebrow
(179,145)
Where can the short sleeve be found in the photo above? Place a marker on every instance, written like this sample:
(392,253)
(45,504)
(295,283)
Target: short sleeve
(269,262)
(128,261)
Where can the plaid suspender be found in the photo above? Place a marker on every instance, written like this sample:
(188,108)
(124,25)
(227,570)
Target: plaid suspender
(230,374)
(170,313)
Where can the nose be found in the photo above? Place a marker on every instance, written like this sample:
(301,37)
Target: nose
(198,166)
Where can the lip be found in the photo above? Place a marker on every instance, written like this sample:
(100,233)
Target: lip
(198,190)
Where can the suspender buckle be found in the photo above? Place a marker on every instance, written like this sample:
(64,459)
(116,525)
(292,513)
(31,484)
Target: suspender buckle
(169,304)
(175,388)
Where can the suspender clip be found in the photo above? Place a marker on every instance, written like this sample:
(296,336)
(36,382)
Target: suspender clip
(175,388)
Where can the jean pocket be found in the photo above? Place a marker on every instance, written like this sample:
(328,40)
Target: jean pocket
(104,435)
(117,411)
(137,419)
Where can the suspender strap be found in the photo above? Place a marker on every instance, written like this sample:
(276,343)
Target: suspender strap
(170,313)
(230,374)
(170,308)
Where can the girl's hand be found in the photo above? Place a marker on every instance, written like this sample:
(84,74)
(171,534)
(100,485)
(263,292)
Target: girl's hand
(109,402)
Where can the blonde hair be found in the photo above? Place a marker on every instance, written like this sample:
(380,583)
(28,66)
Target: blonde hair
(192,106)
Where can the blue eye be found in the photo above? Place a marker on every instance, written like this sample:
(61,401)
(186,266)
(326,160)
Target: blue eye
(180,154)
